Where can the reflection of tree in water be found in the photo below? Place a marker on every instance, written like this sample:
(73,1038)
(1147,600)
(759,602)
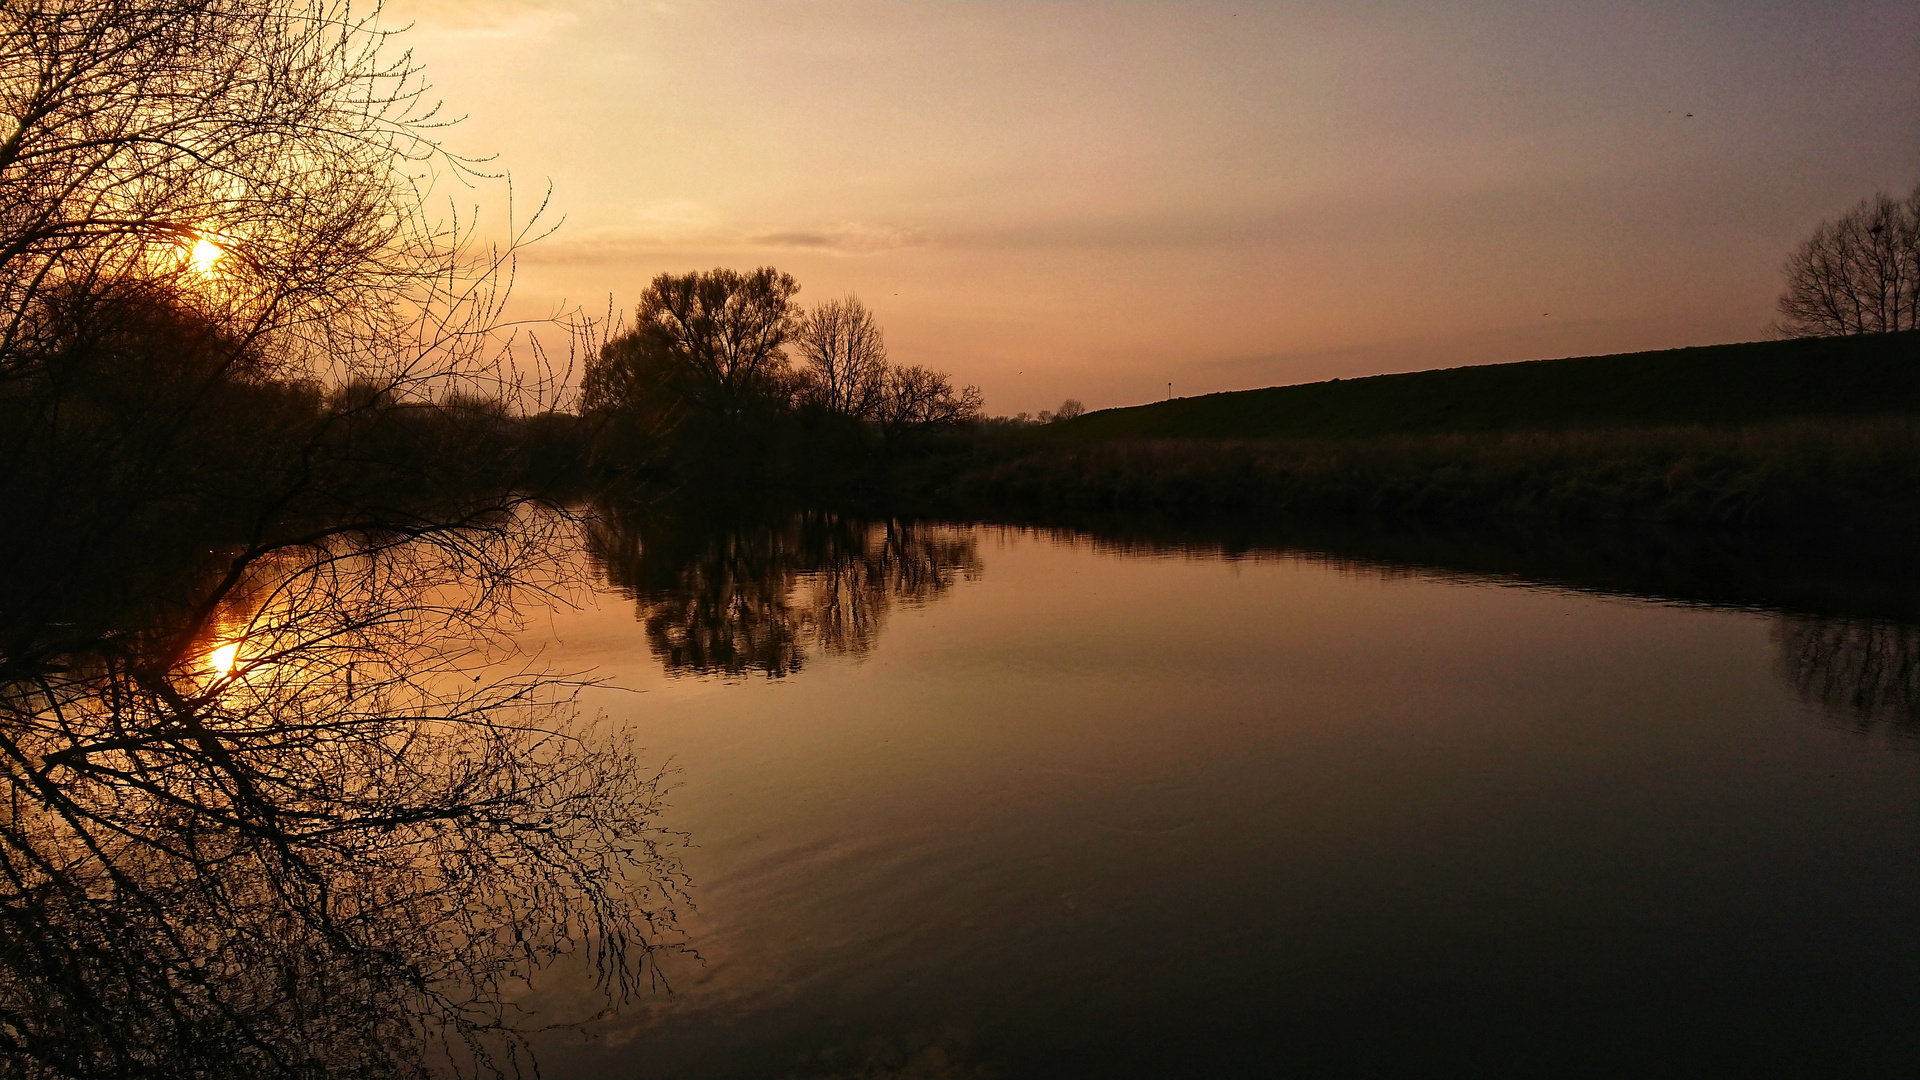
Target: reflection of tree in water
(337,857)
(1865,670)
(733,598)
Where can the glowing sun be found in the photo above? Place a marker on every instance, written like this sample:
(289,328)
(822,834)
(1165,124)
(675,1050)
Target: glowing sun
(205,254)
(220,660)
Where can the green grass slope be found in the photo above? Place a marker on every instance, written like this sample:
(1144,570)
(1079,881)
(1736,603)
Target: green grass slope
(1715,384)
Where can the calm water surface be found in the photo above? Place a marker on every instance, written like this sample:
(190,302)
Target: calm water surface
(1007,803)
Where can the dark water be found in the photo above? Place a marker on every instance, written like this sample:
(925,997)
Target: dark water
(991,801)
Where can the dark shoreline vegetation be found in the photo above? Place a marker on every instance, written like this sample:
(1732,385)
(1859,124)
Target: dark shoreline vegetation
(1807,434)
(1812,433)
(1795,474)
(280,481)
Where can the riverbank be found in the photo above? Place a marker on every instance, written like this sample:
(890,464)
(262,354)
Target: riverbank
(1825,472)
(1779,434)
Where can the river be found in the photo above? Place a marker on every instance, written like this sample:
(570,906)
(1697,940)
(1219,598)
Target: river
(982,800)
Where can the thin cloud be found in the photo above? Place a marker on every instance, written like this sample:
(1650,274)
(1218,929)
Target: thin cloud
(848,239)
(687,235)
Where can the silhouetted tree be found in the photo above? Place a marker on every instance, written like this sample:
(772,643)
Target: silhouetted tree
(252,399)
(846,358)
(915,398)
(1858,273)
(1069,409)
(714,341)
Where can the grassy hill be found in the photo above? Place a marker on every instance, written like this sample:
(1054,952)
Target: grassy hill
(1713,385)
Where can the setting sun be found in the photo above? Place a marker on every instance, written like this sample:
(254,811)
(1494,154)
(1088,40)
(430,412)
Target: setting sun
(220,660)
(205,254)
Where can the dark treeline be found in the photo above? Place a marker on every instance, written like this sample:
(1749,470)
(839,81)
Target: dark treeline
(703,398)
(135,434)
(726,386)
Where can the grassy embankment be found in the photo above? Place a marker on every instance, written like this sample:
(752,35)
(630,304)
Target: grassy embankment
(1775,433)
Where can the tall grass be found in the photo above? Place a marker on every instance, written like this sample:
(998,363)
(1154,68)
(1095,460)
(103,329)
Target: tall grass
(1853,472)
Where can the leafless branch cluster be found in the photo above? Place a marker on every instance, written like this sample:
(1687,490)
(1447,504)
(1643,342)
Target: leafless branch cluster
(316,827)
(1858,273)
(846,355)
(916,397)
(276,802)
(261,162)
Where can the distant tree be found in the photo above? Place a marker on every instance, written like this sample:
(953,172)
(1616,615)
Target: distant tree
(914,397)
(1858,273)
(846,357)
(715,340)
(1069,409)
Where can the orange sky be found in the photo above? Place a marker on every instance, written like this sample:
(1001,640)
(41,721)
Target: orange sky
(1092,200)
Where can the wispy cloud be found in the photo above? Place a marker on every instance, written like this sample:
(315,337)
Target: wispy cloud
(686,227)
(850,238)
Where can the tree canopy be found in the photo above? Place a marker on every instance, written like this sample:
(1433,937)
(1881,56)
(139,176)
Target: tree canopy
(713,346)
(1858,273)
(715,339)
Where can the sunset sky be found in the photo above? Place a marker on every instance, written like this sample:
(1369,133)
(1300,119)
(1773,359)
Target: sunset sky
(1093,200)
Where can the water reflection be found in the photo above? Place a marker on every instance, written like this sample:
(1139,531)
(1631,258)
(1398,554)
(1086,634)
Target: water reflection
(309,824)
(1863,671)
(740,594)
(1847,608)
(751,595)
(1386,790)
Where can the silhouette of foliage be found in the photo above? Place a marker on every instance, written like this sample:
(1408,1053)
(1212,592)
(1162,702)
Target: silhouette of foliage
(713,340)
(1858,273)
(914,398)
(754,596)
(846,358)
(700,393)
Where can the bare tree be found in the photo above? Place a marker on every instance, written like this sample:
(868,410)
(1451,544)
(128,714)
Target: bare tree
(274,805)
(252,154)
(914,397)
(1858,273)
(1069,409)
(846,357)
